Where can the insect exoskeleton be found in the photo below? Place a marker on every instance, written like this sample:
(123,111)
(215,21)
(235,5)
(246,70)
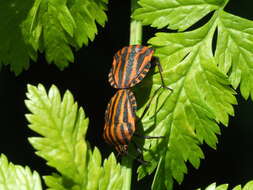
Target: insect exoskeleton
(130,65)
(120,120)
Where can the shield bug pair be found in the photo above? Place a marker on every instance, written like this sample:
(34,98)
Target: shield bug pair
(130,65)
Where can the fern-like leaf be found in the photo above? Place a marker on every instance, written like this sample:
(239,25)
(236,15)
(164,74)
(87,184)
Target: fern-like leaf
(213,186)
(16,177)
(234,52)
(177,15)
(13,50)
(52,26)
(188,116)
(63,127)
(202,96)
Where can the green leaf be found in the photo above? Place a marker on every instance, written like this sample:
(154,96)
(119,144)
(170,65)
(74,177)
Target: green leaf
(55,40)
(54,26)
(202,97)
(85,14)
(55,182)
(157,185)
(222,187)
(176,15)
(66,19)
(13,50)
(248,186)
(189,115)
(111,177)
(16,177)
(238,187)
(63,126)
(213,186)
(234,53)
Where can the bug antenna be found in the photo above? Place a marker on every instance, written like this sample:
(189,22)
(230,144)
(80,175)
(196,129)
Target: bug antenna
(148,137)
(152,137)
(149,103)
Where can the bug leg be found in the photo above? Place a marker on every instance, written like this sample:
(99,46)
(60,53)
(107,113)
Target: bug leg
(149,103)
(148,137)
(156,62)
(139,150)
(142,161)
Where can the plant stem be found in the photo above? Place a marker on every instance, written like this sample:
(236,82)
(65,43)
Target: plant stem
(127,172)
(135,27)
(135,32)
(135,38)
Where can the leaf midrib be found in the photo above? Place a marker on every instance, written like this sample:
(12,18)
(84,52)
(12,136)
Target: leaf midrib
(197,49)
(181,6)
(53,121)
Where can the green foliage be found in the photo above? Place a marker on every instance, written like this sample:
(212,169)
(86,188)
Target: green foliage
(16,177)
(13,51)
(176,15)
(201,79)
(50,26)
(234,53)
(213,186)
(202,96)
(63,127)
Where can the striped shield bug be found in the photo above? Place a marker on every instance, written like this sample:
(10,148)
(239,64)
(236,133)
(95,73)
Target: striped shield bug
(131,64)
(120,121)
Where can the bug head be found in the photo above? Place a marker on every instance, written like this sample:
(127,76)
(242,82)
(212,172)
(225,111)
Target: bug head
(122,149)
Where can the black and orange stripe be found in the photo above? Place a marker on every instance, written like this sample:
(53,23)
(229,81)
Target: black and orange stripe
(130,65)
(120,120)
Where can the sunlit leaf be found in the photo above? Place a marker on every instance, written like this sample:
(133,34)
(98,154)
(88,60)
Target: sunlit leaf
(62,126)
(234,52)
(213,186)
(189,115)
(17,177)
(177,15)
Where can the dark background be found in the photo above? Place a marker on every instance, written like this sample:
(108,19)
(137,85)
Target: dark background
(87,80)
